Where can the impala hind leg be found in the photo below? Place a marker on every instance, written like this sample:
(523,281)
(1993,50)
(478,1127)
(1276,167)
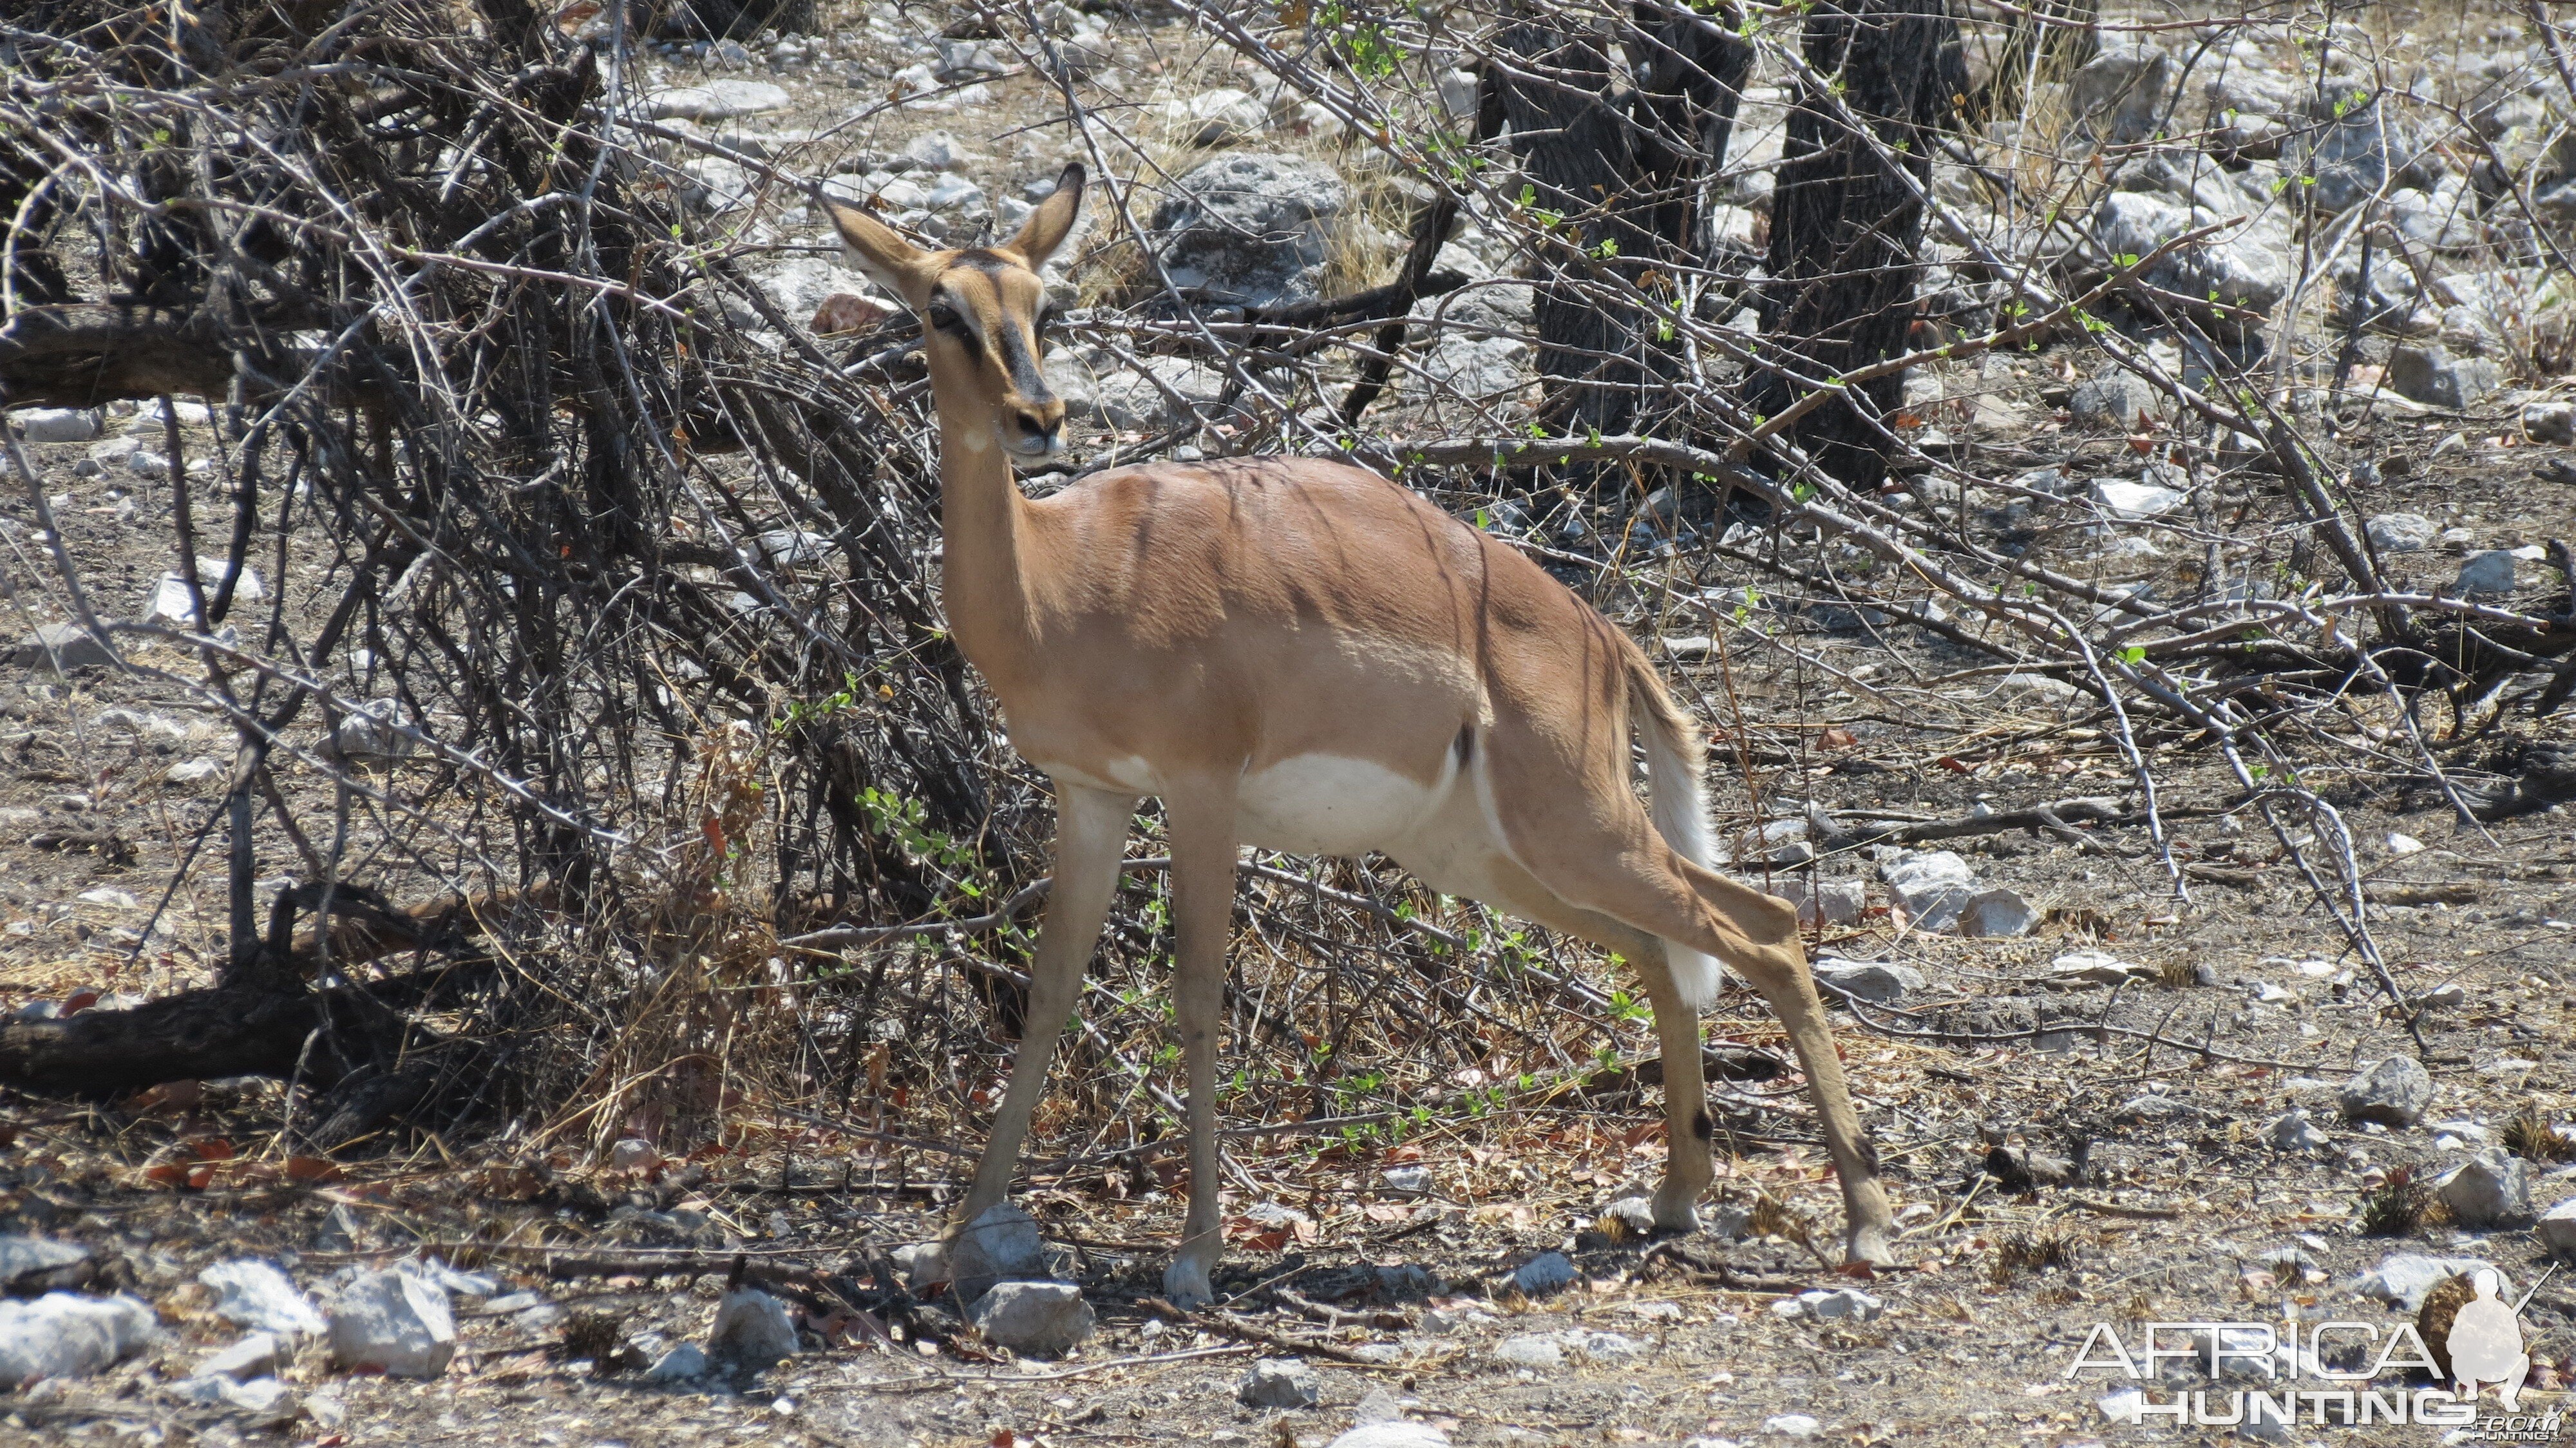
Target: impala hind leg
(1202,824)
(1090,835)
(1757,934)
(1623,870)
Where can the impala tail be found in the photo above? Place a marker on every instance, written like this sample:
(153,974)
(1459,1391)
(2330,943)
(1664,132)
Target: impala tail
(1676,768)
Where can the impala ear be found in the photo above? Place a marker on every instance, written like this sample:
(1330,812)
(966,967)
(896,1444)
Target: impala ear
(876,250)
(1052,221)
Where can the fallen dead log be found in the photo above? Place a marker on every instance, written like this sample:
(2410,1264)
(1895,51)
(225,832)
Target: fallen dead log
(199,1035)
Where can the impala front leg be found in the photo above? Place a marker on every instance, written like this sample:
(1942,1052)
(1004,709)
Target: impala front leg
(1090,835)
(1203,844)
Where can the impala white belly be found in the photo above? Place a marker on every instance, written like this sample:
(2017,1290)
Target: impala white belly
(1311,804)
(1326,804)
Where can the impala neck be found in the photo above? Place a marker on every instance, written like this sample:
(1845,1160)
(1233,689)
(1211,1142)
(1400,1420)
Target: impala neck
(980,526)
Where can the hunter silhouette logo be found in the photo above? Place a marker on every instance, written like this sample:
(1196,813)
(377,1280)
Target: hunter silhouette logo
(2486,1343)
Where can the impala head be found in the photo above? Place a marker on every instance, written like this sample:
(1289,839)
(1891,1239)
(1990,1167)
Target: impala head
(983,310)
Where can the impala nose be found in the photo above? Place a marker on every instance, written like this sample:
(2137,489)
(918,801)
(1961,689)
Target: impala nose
(1038,432)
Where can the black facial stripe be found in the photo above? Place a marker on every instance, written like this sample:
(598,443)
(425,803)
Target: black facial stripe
(1022,365)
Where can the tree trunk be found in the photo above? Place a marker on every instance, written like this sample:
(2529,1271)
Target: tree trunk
(1845,225)
(1625,168)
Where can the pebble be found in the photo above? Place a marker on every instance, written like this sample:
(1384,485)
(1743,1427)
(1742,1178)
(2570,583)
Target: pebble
(2293,1131)
(2487,573)
(1792,1425)
(2491,1189)
(2402,1280)
(28,1256)
(56,424)
(1930,886)
(2550,422)
(2096,967)
(1035,1319)
(1545,1273)
(2400,532)
(751,1328)
(256,1355)
(2557,1229)
(720,100)
(679,1365)
(2395,1092)
(1531,1350)
(1997,914)
(1279,1383)
(253,1293)
(66,1335)
(1878,982)
(1001,1243)
(1407,1181)
(394,1323)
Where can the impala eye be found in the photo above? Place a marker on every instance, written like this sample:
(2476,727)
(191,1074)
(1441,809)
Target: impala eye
(945,318)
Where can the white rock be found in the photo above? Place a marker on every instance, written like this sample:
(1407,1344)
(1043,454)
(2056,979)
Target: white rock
(1997,914)
(2490,572)
(1392,1435)
(2404,844)
(680,1364)
(2491,1189)
(372,734)
(66,1335)
(717,101)
(2400,532)
(1250,227)
(2557,1229)
(256,1355)
(2553,422)
(193,771)
(751,1328)
(1406,1181)
(2133,502)
(263,1398)
(1841,1303)
(924,1266)
(1216,118)
(56,424)
(1536,1350)
(2096,967)
(1001,1243)
(1930,886)
(1279,1383)
(1876,981)
(2293,1131)
(1035,1319)
(170,600)
(2394,1092)
(2402,1280)
(392,1322)
(1792,1425)
(2431,375)
(253,1293)
(1826,902)
(630,1153)
(21,1256)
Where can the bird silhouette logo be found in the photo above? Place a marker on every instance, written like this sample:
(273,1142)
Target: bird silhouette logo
(2486,1343)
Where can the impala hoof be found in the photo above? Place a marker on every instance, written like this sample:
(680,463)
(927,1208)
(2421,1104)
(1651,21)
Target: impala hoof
(1185,1285)
(1871,1246)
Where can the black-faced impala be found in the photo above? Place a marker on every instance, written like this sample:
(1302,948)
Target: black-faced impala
(1300,655)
